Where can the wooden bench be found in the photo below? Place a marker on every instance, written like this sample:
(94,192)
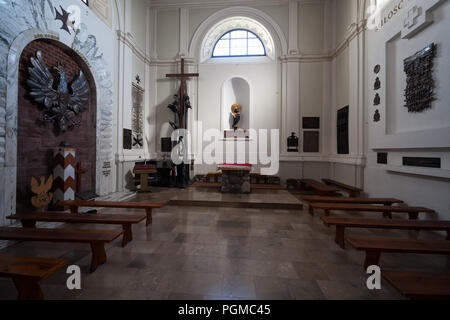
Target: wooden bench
(96,238)
(147,206)
(375,246)
(26,272)
(383,201)
(352,191)
(419,285)
(28,220)
(214,175)
(413,212)
(342,223)
(320,188)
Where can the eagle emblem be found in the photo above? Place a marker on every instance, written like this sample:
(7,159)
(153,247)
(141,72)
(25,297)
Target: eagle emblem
(60,105)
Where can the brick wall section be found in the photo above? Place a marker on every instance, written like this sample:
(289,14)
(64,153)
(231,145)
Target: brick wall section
(36,140)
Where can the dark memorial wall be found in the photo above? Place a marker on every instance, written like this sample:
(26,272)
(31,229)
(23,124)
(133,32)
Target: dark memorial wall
(38,140)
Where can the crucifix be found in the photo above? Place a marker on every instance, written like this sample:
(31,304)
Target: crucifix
(78,172)
(182,96)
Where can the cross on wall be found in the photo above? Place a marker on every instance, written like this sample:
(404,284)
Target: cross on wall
(182,76)
(410,20)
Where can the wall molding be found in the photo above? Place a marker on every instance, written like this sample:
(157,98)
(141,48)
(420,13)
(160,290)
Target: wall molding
(127,39)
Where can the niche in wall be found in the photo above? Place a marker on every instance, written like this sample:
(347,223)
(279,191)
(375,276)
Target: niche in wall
(38,140)
(235,90)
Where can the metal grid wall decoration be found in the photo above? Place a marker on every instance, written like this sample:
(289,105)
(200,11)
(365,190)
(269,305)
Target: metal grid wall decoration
(137,117)
(419,92)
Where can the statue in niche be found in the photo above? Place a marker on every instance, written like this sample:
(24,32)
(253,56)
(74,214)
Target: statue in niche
(60,106)
(236,113)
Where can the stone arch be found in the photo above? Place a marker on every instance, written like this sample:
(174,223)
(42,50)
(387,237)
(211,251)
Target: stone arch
(85,46)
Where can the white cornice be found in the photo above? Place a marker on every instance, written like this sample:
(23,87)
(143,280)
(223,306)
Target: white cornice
(167,4)
(347,159)
(127,39)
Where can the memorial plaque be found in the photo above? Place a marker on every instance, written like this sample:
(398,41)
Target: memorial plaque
(127,139)
(422,162)
(382,158)
(311,123)
(342,131)
(310,141)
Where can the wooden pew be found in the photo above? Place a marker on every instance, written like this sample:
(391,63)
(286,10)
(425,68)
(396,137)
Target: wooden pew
(342,223)
(28,220)
(413,212)
(96,238)
(419,285)
(383,201)
(352,191)
(147,206)
(320,188)
(375,246)
(26,272)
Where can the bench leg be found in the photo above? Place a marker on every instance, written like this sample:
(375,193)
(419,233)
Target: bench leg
(73,209)
(448,234)
(98,255)
(28,223)
(127,234)
(372,258)
(340,233)
(387,215)
(413,215)
(311,210)
(149,216)
(327,212)
(29,289)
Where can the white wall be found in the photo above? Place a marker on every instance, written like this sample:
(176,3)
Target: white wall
(406,134)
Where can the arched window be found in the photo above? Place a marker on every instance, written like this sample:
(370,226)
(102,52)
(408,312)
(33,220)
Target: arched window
(239,43)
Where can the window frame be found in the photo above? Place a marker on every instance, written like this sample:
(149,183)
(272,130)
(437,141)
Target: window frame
(247,38)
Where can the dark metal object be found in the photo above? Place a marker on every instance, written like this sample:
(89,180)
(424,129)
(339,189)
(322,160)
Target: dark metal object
(311,123)
(382,157)
(64,18)
(377,100)
(292,143)
(419,92)
(175,108)
(377,116)
(422,162)
(59,105)
(377,84)
(377,69)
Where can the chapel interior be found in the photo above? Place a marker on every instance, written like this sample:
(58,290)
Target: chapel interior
(224,150)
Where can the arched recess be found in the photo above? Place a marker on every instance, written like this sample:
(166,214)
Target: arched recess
(85,45)
(227,19)
(37,141)
(236,90)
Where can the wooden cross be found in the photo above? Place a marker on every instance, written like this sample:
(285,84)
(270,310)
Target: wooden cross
(182,76)
(78,172)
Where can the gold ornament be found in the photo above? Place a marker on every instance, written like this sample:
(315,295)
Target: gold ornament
(43,196)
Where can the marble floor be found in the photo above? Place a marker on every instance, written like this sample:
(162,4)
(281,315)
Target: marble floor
(223,253)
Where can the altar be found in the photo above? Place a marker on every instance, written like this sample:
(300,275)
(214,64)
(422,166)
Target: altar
(235,177)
